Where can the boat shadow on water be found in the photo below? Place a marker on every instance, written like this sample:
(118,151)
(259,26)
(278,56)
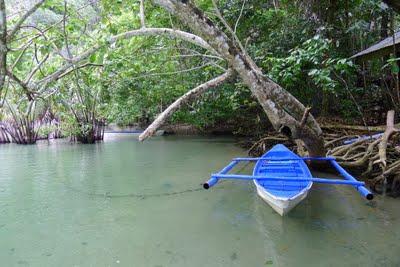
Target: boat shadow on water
(331,224)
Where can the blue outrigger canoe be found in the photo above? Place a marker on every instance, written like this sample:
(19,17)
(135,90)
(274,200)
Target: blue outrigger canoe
(283,179)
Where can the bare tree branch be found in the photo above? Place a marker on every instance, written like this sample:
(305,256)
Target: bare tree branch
(240,15)
(25,87)
(65,31)
(18,25)
(390,129)
(196,55)
(141,14)
(233,33)
(186,36)
(49,27)
(80,67)
(305,116)
(29,77)
(141,32)
(189,96)
(56,75)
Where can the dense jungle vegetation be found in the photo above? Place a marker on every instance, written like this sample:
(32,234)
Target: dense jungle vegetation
(305,46)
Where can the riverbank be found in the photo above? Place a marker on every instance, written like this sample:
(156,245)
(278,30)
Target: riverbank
(175,129)
(362,156)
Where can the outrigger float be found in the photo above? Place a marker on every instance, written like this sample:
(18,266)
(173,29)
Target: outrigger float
(283,179)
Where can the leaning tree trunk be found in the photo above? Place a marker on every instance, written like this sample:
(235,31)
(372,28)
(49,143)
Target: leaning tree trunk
(283,110)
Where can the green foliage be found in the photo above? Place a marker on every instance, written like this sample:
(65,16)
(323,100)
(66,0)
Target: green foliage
(310,65)
(303,45)
(392,64)
(45,130)
(216,107)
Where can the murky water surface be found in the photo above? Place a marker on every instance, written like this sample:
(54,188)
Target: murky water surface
(125,203)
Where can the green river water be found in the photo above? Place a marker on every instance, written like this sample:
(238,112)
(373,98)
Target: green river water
(125,203)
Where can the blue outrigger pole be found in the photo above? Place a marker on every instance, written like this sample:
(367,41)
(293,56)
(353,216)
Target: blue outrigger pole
(349,179)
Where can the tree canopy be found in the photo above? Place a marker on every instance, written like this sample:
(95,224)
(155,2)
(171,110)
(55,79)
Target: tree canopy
(125,62)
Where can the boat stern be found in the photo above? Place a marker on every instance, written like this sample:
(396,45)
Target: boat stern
(281,205)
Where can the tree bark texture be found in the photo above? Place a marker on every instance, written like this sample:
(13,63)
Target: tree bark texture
(283,110)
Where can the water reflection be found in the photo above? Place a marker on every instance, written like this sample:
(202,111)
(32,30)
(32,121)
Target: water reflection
(125,203)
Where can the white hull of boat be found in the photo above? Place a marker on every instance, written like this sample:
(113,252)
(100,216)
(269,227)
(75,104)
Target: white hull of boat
(281,205)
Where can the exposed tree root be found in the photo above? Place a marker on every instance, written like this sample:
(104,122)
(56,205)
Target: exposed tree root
(377,161)
(262,145)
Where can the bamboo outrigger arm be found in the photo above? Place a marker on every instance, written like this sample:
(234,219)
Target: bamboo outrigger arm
(349,179)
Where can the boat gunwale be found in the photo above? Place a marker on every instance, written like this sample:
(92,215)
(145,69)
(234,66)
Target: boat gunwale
(302,165)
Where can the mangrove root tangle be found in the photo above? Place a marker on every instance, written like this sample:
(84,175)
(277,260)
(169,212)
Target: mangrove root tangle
(21,131)
(377,161)
(93,134)
(4,137)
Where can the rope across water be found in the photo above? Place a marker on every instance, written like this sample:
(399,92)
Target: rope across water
(134,195)
(149,195)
